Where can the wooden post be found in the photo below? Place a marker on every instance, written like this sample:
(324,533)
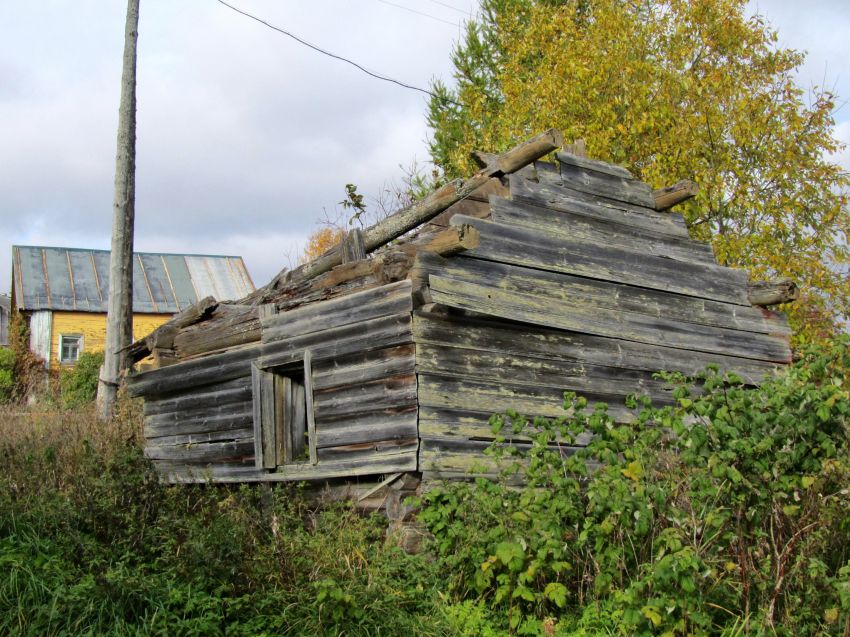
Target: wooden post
(119,317)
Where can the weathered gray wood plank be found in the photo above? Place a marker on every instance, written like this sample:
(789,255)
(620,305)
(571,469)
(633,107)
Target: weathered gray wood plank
(550,312)
(228,392)
(378,463)
(387,393)
(203,437)
(390,424)
(208,452)
(605,295)
(358,307)
(222,422)
(605,184)
(520,246)
(363,367)
(569,159)
(499,368)
(561,199)
(576,227)
(198,413)
(371,335)
(619,356)
(442,423)
(175,378)
(526,398)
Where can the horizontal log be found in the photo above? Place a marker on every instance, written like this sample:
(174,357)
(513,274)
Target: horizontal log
(563,314)
(163,335)
(365,398)
(224,421)
(195,473)
(530,248)
(526,398)
(202,412)
(211,369)
(396,424)
(552,182)
(441,423)
(447,242)
(500,368)
(221,435)
(620,356)
(377,464)
(369,449)
(209,452)
(571,159)
(364,367)
(666,198)
(560,199)
(380,333)
(577,227)
(589,293)
(762,293)
(209,396)
(607,185)
(359,307)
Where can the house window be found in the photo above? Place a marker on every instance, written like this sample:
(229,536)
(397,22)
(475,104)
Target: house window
(284,426)
(70,346)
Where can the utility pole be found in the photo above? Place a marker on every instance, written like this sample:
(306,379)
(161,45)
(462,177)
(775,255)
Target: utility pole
(119,317)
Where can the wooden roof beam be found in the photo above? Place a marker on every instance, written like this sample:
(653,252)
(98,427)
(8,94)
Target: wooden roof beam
(773,292)
(666,198)
(422,211)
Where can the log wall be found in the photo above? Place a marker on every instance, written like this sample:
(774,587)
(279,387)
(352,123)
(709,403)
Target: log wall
(578,284)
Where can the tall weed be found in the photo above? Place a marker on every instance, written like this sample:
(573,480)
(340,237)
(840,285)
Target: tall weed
(92,543)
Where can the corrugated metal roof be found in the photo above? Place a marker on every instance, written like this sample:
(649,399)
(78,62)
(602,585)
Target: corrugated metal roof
(47,278)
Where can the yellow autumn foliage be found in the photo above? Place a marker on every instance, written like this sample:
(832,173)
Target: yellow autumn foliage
(672,89)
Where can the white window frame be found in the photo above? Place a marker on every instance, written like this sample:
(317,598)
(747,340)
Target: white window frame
(61,352)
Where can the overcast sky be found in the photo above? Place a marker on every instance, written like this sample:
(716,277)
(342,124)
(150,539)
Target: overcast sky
(245,138)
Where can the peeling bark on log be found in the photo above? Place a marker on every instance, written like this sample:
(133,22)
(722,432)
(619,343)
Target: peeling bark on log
(772,292)
(666,198)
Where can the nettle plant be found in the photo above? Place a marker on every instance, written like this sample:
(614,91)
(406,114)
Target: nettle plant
(727,510)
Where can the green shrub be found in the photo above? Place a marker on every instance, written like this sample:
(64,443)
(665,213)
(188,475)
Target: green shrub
(7,374)
(727,511)
(78,385)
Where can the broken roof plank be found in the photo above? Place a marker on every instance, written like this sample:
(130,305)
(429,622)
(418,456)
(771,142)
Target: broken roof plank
(436,202)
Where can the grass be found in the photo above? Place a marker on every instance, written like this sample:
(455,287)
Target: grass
(91,543)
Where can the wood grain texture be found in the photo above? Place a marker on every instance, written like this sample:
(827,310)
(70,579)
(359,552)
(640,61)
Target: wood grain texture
(587,293)
(605,184)
(557,197)
(530,248)
(367,336)
(528,308)
(358,307)
(195,373)
(577,227)
(585,351)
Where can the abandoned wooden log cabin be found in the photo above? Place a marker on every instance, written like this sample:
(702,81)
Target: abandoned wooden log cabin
(386,356)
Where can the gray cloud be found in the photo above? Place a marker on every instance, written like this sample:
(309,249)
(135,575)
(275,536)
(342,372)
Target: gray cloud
(244,137)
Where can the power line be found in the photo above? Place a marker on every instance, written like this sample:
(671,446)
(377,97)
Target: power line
(427,15)
(450,6)
(377,76)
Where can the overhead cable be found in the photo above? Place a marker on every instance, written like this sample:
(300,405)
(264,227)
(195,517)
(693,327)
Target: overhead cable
(377,76)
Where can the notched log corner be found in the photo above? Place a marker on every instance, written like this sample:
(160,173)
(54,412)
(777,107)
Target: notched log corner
(666,198)
(773,292)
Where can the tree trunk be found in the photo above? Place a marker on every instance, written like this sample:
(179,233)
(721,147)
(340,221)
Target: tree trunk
(119,318)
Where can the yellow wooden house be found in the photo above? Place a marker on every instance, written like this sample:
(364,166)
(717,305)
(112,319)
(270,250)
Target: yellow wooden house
(63,292)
